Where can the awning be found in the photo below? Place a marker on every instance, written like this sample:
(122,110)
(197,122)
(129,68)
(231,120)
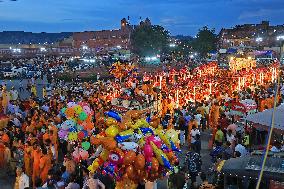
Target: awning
(264,118)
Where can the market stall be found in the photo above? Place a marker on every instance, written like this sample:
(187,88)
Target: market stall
(262,120)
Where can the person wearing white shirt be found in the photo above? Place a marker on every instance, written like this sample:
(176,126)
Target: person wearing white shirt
(198,117)
(22,180)
(240,148)
(194,131)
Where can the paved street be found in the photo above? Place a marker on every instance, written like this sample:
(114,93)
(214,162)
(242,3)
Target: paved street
(25,94)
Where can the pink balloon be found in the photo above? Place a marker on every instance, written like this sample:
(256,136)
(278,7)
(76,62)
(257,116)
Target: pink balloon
(155,139)
(87,110)
(148,152)
(84,154)
(76,155)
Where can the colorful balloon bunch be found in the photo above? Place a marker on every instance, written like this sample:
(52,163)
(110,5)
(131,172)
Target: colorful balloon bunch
(130,148)
(77,128)
(120,70)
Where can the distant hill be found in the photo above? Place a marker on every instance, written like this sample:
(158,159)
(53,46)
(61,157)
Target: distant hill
(16,37)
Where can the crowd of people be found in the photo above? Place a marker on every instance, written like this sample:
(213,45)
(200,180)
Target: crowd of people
(31,148)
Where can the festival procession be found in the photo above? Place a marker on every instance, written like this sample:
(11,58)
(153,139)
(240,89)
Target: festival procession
(154,104)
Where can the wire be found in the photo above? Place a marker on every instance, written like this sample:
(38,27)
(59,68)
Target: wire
(277,84)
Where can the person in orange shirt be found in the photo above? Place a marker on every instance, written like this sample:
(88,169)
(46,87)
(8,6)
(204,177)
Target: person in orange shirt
(53,140)
(36,155)
(45,164)
(28,158)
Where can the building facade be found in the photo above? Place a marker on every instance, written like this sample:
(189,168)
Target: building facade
(252,36)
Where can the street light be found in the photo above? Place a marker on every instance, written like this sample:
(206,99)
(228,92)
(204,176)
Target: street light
(280,37)
(259,39)
(172,45)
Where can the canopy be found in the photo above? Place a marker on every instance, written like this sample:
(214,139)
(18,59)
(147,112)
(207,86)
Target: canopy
(264,118)
(250,166)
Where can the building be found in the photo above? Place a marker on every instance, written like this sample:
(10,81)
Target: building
(104,39)
(76,44)
(253,36)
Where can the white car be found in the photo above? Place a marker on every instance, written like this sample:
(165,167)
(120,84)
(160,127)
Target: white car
(10,74)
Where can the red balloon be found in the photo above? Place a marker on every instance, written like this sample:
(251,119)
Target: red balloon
(81,135)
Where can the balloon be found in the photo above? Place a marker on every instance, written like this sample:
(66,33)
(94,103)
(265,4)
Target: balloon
(112,131)
(129,158)
(78,109)
(116,156)
(72,136)
(130,171)
(81,135)
(135,137)
(70,112)
(114,115)
(140,123)
(83,116)
(174,147)
(84,154)
(124,135)
(71,104)
(148,152)
(173,135)
(86,145)
(104,154)
(155,139)
(62,134)
(87,109)
(162,158)
(63,110)
(165,139)
(111,121)
(107,142)
(128,146)
(154,165)
(76,154)
(146,130)
(72,129)
(139,162)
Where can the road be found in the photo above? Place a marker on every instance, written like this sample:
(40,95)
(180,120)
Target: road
(25,94)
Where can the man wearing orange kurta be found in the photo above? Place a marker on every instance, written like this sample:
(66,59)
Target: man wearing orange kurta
(45,165)
(28,159)
(36,154)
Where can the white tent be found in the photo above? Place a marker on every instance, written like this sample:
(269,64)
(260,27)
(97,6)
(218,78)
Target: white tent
(264,118)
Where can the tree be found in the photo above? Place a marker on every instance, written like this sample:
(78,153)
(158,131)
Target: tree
(205,41)
(149,40)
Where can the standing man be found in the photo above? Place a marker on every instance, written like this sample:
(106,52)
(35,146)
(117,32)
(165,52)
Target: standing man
(193,161)
(22,180)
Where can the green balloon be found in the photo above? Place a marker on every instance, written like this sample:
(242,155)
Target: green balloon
(86,145)
(83,116)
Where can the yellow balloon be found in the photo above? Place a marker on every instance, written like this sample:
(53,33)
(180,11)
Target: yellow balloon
(112,131)
(104,154)
(78,109)
(127,132)
(173,135)
(72,136)
(140,123)
(111,121)
(159,153)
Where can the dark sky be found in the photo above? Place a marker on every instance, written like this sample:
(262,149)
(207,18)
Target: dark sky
(178,16)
